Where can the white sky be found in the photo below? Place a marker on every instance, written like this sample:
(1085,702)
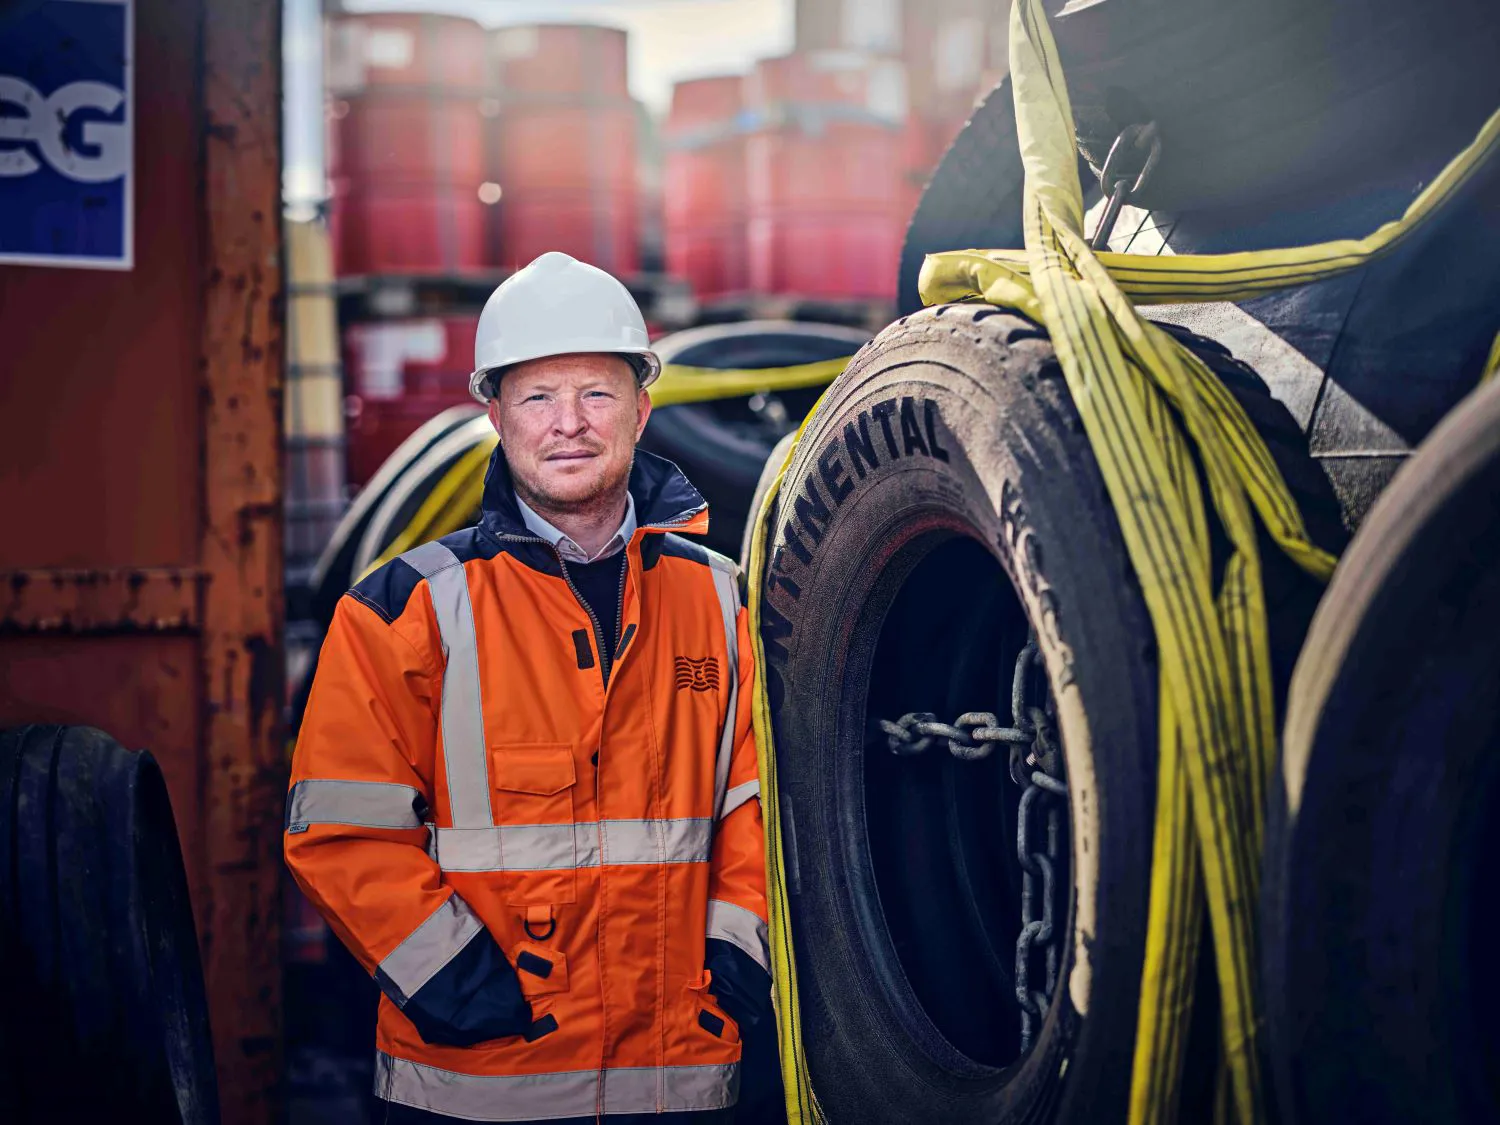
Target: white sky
(669,40)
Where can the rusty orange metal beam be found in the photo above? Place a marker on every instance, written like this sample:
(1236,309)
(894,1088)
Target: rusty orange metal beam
(242,357)
(86,600)
(139,431)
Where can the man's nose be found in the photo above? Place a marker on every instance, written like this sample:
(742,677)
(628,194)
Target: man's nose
(571,420)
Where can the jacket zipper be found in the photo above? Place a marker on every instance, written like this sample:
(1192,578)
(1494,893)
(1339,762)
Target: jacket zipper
(605,658)
(605,662)
(620,607)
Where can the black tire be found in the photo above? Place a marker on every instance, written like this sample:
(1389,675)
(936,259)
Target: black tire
(1380,911)
(897,866)
(973,197)
(722,445)
(1357,88)
(107,1009)
(331,577)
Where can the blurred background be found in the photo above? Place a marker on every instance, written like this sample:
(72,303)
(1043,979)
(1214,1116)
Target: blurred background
(732,161)
(244,245)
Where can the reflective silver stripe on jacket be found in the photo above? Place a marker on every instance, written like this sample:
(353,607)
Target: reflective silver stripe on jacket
(738,796)
(729,604)
(740,927)
(570,1093)
(464,753)
(364,804)
(553,847)
(427,949)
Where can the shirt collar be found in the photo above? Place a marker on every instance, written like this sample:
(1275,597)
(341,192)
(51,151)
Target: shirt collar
(570,550)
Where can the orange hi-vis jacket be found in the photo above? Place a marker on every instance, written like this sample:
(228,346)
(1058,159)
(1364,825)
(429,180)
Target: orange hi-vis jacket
(534,846)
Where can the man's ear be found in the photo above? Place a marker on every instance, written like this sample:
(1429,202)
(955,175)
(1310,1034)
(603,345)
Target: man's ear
(643,408)
(493,410)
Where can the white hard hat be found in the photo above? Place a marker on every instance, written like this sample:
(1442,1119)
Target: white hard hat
(558,305)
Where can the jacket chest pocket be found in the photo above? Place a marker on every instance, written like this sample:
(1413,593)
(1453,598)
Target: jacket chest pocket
(536,784)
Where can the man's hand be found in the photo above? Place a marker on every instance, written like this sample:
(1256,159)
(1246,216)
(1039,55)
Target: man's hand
(472,998)
(740,986)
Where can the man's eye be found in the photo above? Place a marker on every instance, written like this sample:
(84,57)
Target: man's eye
(533,398)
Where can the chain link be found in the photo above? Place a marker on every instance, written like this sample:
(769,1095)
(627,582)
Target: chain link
(1036,766)
(971,737)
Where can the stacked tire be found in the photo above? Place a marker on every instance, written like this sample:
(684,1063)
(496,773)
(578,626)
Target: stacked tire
(941,505)
(104,1015)
(1383,844)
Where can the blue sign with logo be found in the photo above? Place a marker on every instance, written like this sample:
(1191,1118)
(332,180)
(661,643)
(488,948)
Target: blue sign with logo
(67,132)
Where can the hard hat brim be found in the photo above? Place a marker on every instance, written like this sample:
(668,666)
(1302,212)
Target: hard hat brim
(646,363)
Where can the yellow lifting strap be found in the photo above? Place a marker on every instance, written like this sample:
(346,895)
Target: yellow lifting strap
(801,1106)
(958,275)
(1492,364)
(1217,725)
(454,500)
(678,384)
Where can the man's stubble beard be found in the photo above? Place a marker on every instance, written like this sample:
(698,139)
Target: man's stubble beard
(603,500)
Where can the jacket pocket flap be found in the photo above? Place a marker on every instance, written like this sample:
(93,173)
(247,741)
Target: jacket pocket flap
(534,769)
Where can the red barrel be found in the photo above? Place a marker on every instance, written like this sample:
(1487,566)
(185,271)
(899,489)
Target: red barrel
(410,136)
(563,59)
(407,229)
(703,191)
(404,50)
(564,151)
(399,374)
(406,143)
(924,140)
(826,205)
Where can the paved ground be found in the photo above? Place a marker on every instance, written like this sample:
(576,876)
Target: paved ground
(328,1089)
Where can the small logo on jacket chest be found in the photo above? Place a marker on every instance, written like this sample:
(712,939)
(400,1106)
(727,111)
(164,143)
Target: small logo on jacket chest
(698,675)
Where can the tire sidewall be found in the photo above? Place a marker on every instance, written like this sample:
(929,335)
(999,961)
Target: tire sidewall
(1387,775)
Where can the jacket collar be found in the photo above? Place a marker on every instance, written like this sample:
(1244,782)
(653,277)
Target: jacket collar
(664,499)
(564,543)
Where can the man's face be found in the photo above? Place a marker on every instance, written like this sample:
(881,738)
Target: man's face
(569,425)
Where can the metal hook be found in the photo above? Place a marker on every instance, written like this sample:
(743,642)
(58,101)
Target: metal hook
(1117,184)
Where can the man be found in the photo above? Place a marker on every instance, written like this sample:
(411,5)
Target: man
(525,790)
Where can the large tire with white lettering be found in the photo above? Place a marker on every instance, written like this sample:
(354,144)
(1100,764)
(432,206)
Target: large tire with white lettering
(1383,843)
(943,500)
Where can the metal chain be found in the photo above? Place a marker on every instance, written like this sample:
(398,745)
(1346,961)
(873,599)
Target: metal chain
(1036,766)
(971,737)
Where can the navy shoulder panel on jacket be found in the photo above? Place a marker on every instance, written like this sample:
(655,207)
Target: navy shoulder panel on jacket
(471,543)
(676,547)
(388,589)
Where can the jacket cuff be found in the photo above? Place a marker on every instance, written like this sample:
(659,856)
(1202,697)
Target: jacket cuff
(472,998)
